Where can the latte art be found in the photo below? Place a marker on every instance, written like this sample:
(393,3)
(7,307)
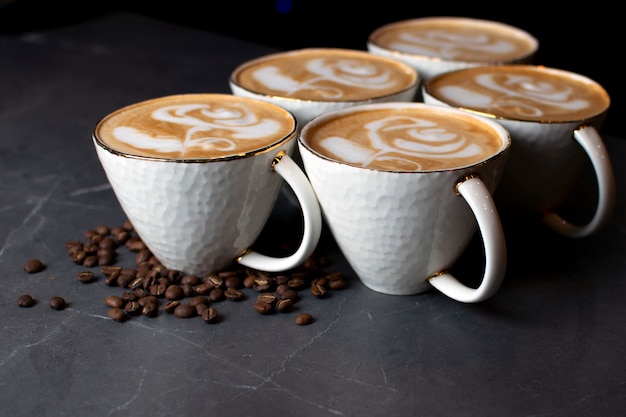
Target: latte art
(403,140)
(195,126)
(324,75)
(521,92)
(456,39)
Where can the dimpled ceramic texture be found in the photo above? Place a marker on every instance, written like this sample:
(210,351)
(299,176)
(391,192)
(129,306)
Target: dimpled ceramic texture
(375,216)
(195,217)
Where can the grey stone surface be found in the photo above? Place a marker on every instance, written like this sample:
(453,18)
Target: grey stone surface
(551,342)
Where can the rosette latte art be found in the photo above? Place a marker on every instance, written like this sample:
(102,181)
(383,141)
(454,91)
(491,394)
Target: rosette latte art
(397,142)
(324,75)
(195,129)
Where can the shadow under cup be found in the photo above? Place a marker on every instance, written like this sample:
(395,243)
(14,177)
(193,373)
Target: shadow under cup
(198,175)
(402,187)
(554,118)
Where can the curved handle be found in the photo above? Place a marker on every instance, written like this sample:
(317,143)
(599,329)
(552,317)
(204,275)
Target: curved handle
(297,180)
(592,144)
(478,197)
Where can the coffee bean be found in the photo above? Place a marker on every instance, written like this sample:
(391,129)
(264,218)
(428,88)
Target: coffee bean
(200,308)
(303,319)
(150,309)
(57,303)
(284,306)
(233,294)
(117,314)
(142,255)
(289,295)
(296,283)
(199,299)
(190,279)
(133,308)
(248,281)
(210,315)
(114,301)
(25,300)
(262,307)
(267,297)
(318,290)
(171,306)
(90,261)
(232,282)
(103,230)
(146,299)
(174,292)
(204,288)
(33,266)
(216,294)
(185,311)
(86,276)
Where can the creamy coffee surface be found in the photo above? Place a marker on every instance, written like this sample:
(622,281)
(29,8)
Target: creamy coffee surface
(192,126)
(325,74)
(457,39)
(403,139)
(521,92)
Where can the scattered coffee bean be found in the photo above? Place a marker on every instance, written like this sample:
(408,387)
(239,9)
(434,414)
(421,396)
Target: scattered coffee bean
(57,303)
(33,266)
(284,306)
(174,292)
(210,315)
(146,299)
(263,308)
(86,276)
(114,301)
(185,311)
(170,307)
(318,291)
(303,319)
(150,309)
(133,308)
(233,294)
(199,299)
(118,314)
(216,294)
(25,300)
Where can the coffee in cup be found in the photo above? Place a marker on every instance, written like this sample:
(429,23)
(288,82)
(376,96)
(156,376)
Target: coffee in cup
(433,45)
(311,81)
(554,117)
(198,175)
(402,187)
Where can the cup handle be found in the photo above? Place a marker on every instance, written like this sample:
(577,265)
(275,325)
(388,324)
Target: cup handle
(297,180)
(592,144)
(480,201)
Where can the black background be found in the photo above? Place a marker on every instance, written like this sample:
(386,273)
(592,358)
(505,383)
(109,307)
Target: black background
(586,39)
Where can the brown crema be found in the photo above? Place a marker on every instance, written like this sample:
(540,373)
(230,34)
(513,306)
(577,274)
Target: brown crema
(325,74)
(403,139)
(195,126)
(521,92)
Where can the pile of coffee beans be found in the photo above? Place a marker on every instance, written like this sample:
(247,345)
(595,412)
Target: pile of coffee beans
(148,287)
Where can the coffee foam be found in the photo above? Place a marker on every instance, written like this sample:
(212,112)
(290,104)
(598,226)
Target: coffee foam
(521,92)
(325,74)
(402,139)
(457,39)
(195,126)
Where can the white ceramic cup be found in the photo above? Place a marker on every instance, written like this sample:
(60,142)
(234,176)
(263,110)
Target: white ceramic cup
(438,44)
(554,118)
(403,186)
(312,81)
(198,176)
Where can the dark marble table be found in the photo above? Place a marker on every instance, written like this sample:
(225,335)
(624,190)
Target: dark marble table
(551,342)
